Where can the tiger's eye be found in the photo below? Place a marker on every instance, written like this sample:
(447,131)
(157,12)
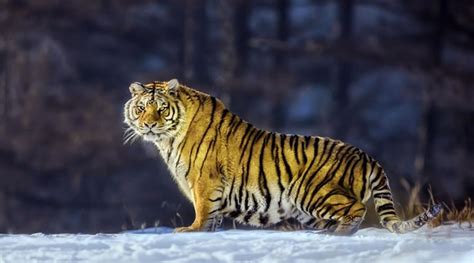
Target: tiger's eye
(139,109)
(164,110)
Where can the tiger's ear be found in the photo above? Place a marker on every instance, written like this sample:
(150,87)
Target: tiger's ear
(136,88)
(173,86)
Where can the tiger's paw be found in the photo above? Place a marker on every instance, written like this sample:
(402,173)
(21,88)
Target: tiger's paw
(185,229)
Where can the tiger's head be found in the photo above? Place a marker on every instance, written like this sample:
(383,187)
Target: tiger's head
(154,112)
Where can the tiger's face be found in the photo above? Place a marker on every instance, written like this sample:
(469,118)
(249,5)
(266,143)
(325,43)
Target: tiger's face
(154,112)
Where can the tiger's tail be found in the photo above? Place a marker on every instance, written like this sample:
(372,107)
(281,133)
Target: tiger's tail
(385,209)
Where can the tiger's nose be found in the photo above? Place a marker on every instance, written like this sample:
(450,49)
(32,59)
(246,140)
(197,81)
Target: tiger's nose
(149,125)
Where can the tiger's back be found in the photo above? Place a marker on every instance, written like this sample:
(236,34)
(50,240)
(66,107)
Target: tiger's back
(228,167)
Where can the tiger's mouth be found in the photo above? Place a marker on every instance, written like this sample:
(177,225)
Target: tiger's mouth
(150,136)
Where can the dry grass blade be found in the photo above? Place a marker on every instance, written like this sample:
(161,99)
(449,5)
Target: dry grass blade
(414,206)
(450,213)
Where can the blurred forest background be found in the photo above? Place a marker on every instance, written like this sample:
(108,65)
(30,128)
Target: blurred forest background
(393,77)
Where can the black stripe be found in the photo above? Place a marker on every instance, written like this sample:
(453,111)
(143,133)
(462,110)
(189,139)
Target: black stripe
(303,176)
(295,147)
(213,102)
(348,168)
(215,200)
(185,137)
(276,159)
(249,137)
(318,167)
(205,158)
(262,177)
(246,170)
(236,127)
(179,149)
(169,150)
(224,204)
(246,132)
(327,177)
(387,212)
(232,123)
(248,216)
(387,196)
(381,181)
(364,176)
(224,114)
(231,191)
(353,156)
(292,138)
(283,157)
(237,199)
(241,200)
(352,174)
(254,203)
(190,162)
(345,208)
(272,146)
(322,199)
(263,220)
(303,151)
(213,211)
(323,211)
(247,173)
(387,206)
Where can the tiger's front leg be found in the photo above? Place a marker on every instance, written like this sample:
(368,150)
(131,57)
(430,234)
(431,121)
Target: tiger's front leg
(207,200)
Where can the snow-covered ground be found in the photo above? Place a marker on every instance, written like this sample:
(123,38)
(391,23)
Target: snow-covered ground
(442,244)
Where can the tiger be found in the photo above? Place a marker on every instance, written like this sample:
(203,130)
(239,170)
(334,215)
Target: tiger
(228,168)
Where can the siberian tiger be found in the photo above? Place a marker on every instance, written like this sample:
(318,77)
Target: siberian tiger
(229,168)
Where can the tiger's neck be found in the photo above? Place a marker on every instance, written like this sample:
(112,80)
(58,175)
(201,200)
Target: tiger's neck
(171,147)
(202,120)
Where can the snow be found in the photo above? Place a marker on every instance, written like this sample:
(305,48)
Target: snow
(448,243)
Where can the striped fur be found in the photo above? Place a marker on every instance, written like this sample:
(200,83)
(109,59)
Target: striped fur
(227,167)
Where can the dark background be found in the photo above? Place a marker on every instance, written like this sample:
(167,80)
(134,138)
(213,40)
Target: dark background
(393,77)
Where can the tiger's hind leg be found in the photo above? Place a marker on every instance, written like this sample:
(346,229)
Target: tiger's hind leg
(327,225)
(348,225)
(344,210)
(347,220)
(315,223)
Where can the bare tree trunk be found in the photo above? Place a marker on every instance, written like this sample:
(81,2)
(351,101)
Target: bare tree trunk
(3,85)
(227,57)
(280,70)
(179,10)
(283,31)
(426,130)
(242,13)
(189,40)
(195,41)
(201,39)
(343,70)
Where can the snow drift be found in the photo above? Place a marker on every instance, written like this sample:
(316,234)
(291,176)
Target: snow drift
(449,243)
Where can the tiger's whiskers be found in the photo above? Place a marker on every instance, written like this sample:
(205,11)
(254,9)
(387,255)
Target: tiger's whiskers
(129,136)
